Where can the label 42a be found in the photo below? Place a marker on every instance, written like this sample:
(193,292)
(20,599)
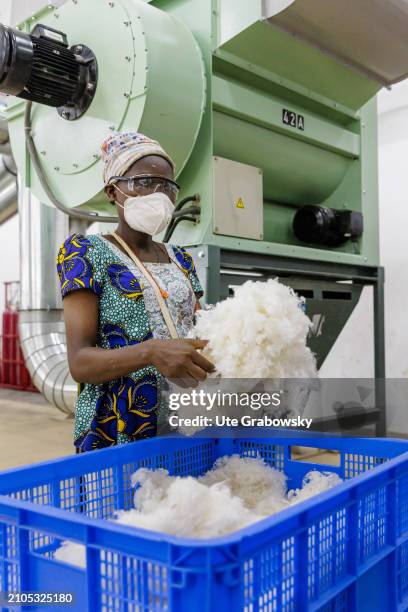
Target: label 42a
(293,119)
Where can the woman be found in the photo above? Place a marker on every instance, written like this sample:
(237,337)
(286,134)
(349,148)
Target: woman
(125,291)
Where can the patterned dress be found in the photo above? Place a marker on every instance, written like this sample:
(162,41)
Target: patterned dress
(133,406)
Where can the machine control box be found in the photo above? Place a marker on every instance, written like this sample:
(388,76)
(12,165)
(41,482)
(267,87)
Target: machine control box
(238,199)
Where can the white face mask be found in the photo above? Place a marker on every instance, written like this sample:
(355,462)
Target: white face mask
(149,214)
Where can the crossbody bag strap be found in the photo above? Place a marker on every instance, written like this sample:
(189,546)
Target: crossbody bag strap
(162,304)
(173,258)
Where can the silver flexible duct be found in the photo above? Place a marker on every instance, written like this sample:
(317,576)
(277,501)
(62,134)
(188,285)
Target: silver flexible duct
(8,182)
(8,188)
(41,325)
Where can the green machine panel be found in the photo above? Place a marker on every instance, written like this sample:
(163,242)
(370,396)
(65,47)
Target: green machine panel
(285,86)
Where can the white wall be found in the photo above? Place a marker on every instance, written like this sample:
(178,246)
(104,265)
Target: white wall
(5,11)
(9,255)
(393,161)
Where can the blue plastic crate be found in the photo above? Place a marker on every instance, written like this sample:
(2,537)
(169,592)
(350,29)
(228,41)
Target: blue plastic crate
(343,550)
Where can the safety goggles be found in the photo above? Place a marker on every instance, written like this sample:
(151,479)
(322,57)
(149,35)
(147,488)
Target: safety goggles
(148,183)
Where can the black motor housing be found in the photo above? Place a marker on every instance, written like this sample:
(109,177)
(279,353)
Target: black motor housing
(326,226)
(41,67)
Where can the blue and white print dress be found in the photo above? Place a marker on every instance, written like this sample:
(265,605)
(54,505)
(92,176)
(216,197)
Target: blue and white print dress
(133,406)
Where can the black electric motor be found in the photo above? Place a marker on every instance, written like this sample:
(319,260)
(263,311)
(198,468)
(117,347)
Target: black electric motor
(326,226)
(41,67)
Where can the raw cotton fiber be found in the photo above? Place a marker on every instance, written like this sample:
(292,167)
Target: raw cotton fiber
(257,341)
(71,552)
(190,509)
(313,483)
(249,479)
(235,493)
(260,332)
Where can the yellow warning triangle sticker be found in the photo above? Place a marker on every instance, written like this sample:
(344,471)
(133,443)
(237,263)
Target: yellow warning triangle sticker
(240,203)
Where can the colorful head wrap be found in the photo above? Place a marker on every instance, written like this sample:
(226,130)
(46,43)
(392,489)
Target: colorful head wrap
(121,150)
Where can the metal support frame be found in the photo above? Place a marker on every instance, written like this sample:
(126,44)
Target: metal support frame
(211,260)
(379,351)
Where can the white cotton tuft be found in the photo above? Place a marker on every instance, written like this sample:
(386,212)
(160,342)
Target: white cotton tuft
(72,553)
(248,478)
(191,509)
(233,494)
(151,487)
(255,338)
(260,332)
(313,483)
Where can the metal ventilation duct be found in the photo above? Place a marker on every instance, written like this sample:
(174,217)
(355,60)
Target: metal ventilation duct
(41,324)
(8,182)
(369,36)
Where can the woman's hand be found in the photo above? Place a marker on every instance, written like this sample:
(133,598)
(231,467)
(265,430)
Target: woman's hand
(175,359)
(179,360)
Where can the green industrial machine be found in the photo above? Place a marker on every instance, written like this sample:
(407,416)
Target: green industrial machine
(268,109)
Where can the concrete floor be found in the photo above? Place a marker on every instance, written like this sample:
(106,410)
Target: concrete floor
(31,430)
(315,455)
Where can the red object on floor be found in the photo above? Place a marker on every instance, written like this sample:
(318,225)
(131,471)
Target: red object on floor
(13,373)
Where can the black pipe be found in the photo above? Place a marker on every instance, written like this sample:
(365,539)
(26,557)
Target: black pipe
(192,198)
(193,209)
(174,224)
